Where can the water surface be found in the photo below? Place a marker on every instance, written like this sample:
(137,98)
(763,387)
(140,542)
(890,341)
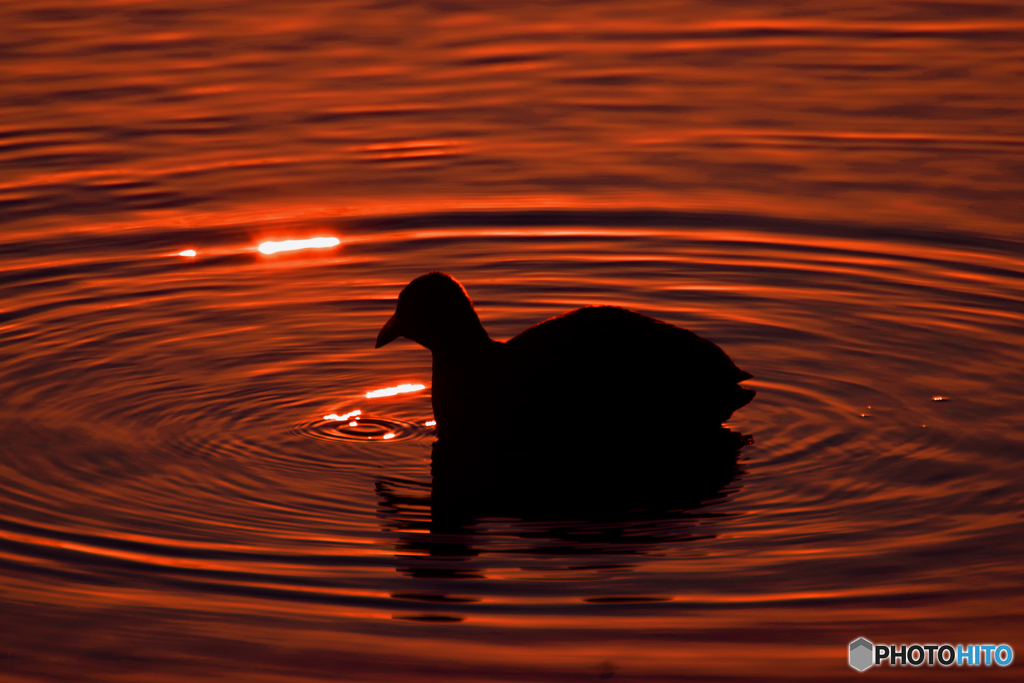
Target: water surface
(830,192)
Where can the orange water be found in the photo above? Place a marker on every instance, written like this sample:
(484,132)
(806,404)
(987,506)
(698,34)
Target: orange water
(830,192)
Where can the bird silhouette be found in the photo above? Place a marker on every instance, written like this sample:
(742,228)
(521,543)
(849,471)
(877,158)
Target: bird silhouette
(600,370)
(599,404)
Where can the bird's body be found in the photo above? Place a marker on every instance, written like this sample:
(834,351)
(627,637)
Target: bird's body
(599,375)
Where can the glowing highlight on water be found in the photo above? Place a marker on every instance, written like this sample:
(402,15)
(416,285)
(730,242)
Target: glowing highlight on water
(187,252)
(389,435)
(429,423)
(292,245)
(391,391)
(342,418)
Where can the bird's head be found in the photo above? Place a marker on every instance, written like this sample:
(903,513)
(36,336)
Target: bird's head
(434,311)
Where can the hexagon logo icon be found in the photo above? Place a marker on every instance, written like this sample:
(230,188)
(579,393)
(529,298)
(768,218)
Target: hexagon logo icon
(861,654)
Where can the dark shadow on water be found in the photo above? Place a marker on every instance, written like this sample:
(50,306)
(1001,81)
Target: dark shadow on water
(588,510)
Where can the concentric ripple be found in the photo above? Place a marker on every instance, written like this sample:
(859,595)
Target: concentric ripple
(364,428)
(221,447)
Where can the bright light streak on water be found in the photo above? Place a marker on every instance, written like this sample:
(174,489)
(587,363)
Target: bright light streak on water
(429,423)
(292,245)
(391,391)
(389,436)
(187,252)
(342,418)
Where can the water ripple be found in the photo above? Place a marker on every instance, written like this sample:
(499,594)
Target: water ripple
(364,428)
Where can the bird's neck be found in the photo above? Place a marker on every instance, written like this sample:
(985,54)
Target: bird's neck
(464,350)
(455,340)
(465,383)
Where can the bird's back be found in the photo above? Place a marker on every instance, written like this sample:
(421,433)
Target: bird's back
(608,366)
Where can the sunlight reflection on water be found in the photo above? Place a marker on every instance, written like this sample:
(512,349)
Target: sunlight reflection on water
(394,391)
(295,245)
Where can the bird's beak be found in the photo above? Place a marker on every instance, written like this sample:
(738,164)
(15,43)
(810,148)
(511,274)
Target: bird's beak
(391,331)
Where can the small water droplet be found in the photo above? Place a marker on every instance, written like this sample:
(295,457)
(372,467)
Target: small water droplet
(940,398)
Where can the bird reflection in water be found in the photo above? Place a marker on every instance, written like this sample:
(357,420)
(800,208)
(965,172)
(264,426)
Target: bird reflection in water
(590,514)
